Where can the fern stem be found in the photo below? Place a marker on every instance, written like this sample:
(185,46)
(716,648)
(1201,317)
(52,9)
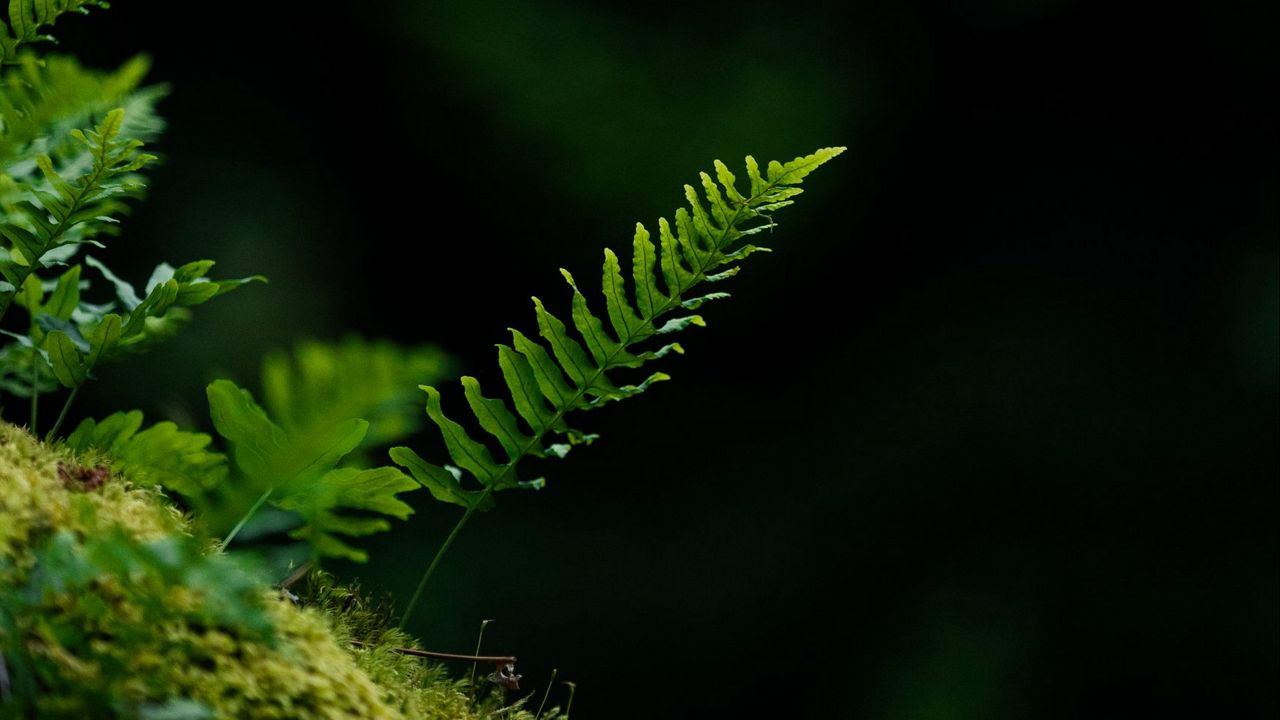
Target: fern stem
(35,389)
(471,681)
(6,299)
(539,435)
(573,687)
(546,694)
(222,546)
(422,583)
(416,652)
(66,406)
(534,441)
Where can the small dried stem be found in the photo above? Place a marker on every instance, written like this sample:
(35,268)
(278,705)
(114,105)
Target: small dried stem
(298,573)
(494,659)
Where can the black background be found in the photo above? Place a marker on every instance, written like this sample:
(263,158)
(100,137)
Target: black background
(991,434)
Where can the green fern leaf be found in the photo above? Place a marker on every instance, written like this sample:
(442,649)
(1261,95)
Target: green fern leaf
(73,211)
(546,381)
(299,472)
(162,454)
(82,336)
(264,452)
(351,489)
(27,17)
(66,358)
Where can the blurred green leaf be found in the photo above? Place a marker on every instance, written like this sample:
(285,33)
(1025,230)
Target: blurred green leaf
(320,384)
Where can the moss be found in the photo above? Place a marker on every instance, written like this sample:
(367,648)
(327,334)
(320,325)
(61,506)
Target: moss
(107,649)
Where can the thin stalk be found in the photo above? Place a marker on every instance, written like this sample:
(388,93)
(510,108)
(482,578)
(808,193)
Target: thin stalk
(35,389)
(6,299)
(546,694)
(569,706)
(5,695)
(415,652)
(422,584)
(57,424)
(471,681)
(240,525)
(298,573)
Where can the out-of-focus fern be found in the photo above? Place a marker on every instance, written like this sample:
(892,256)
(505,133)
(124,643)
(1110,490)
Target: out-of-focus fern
(318,388)
(548,381)
(321,384)
(162,454)
(43,100)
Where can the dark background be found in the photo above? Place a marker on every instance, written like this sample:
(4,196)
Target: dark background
(992,434)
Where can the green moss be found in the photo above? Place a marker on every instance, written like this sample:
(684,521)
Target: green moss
(93,643)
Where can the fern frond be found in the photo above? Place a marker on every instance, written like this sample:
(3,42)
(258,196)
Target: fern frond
(299,472)
(572,370)
(78,336)
(71,211)
(162,454)
(43,100)
(26,18)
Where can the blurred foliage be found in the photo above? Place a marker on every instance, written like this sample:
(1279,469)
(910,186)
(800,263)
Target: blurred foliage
(321,384)
(309,456)
(161,455)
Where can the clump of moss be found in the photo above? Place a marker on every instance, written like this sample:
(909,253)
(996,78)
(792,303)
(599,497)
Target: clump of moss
(110,608)
(416,687)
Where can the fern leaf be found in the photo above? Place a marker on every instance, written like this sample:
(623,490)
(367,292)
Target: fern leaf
(264,452)
(548,380)
(443,483)
(299,472)
(496,419)
(66,296)
(525,393)
(81,336)
(352,489)
(27,17)
(77,210)
(161,455)
(66,358)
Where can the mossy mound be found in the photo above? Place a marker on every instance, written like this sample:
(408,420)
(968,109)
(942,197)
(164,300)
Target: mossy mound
(109,608)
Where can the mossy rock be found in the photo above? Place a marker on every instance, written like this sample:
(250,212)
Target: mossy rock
(172,635)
